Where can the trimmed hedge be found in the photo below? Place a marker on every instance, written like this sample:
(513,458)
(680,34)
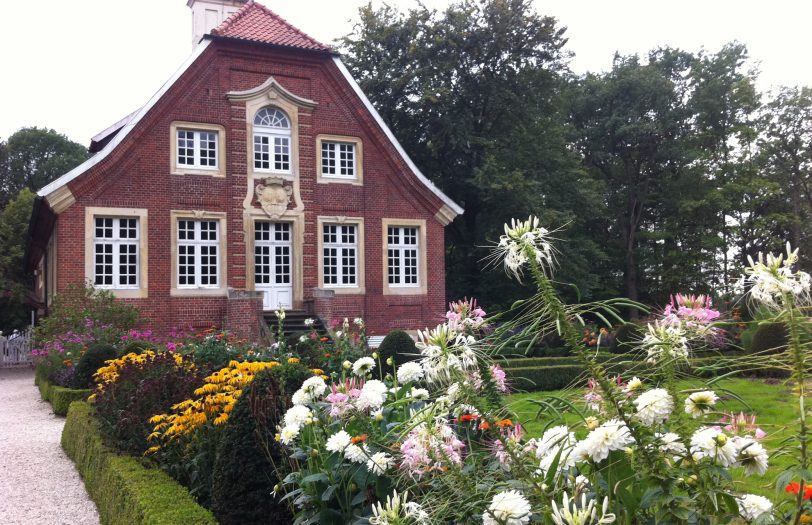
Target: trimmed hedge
(59,397)
(537,378)
(527,362)
(125,491)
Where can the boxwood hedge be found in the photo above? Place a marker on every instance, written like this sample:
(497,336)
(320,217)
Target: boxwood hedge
(125,491)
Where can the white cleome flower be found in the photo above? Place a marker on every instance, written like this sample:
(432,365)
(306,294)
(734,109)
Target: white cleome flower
(338,442)
(397,511)
(573,512)
(309,322)
(410,372)
(509,507)
(379,463)
(288,434)
(700,403)
(297,415)
(752,506)
(654,406)
(445,351)
(522,241)
(612,435)
(359,322)
(708,442)
(665,341)
(751,455)
(363,365)
(772,280)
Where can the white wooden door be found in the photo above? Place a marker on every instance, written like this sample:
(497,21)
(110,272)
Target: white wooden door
(273,256)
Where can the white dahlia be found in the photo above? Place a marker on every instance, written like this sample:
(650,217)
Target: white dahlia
(752,506)
(338,442)
(700,403)
(363,365)
(509,507)
(654,406)
(410,372)
(752,456)
(288,434)
(379,462)
(612,435)
(708,442)
(297,415)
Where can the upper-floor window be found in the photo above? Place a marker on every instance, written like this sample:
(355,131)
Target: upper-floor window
(338,159)
(197,148)
(272,140)
(115,252)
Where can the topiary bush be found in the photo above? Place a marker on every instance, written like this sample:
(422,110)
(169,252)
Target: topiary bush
(627,336)
(92,360)
(769,338)
(399,346)
(243,476)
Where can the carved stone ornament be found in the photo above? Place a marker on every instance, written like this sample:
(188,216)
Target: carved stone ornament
(273,195)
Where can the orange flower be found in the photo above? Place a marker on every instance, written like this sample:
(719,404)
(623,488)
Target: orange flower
(484,425)
(324,339)
(359,439)
(328,355)
(504,423)
(468,417)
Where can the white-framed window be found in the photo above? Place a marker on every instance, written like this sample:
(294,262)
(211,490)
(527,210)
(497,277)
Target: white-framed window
(272,140)
(339,255)
(338,159)
(272,253)
(116,242)
(402,253)
(198,249)
(197,148)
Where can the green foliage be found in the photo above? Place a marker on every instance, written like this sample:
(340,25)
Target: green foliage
(243,476)
(290,377)
(769,338)
(399,346)
(33,157)
(134,347)
(92,360)
(14,281)
(627,337)
(82,309)
(542,378)
(123,489)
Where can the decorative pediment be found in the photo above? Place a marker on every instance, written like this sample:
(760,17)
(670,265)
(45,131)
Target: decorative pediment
(272,90)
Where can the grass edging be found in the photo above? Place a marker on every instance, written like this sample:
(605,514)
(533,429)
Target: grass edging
(59,397)
(124,490)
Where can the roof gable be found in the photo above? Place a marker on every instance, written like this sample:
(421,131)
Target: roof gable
(257,23)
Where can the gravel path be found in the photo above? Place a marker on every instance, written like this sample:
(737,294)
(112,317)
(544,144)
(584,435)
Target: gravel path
(38,483)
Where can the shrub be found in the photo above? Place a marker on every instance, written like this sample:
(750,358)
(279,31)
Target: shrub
(144,387)
(134,347)
(399,346)
(627,337)
(123,489)
(543,378)
(243,477)
(93,359)
(769,338)
(61,398)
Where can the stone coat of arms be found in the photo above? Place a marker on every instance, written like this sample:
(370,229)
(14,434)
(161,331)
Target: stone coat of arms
(273,195)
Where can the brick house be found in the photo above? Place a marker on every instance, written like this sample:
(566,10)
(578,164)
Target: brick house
(258,177)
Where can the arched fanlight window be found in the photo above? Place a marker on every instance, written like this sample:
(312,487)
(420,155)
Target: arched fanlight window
(272,140)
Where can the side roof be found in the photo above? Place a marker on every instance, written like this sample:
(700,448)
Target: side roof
(253,23)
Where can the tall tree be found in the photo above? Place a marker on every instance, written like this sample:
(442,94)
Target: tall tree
(33,157)
(786,147)
(14,282)
(474,95)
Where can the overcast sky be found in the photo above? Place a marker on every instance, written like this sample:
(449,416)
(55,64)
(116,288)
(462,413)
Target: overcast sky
(78,66)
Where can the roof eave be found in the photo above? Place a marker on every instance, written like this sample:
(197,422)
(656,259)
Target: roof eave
(321,52)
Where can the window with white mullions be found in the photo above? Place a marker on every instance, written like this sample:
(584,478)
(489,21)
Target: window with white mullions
(272,138)
(338,159)
(198,253)
(402,256)
(340,254)
(197,149)
(115,252)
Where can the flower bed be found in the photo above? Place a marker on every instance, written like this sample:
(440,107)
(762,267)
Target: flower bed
(123,489)
(59,397)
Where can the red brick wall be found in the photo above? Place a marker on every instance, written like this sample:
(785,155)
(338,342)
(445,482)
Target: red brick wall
(137,175)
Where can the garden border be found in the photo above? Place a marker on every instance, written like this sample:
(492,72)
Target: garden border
(59,397)
(124,490)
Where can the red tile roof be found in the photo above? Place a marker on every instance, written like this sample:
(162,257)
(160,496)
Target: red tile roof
(257,23)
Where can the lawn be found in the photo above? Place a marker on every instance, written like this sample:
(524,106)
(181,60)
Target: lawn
(773,403)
